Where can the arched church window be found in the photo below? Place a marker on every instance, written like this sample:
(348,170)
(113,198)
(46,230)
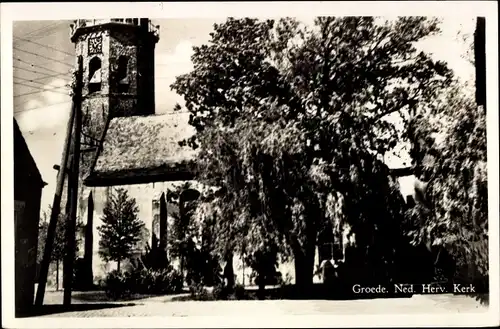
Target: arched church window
(122,74)
(94,75)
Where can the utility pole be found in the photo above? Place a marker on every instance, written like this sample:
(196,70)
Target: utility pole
(480,60)
(73,182)
(56,207)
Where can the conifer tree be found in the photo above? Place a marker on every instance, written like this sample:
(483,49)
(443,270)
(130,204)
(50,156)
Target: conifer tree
(121,228)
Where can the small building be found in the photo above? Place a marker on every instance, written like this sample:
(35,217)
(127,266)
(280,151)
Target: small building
(28,186)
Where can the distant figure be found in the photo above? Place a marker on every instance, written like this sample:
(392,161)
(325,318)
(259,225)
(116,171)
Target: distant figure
(328,269)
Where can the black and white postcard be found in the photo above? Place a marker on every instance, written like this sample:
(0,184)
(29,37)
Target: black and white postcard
(253,164)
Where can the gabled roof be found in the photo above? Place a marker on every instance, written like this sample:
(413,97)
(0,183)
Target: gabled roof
(143,149)
(24,164)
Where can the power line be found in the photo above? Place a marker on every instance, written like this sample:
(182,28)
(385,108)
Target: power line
(38,72)
(48,47)
(41,32)
(55,90)
(35,65)
(41,56)
(42,84)
(18,104)
(48,27)
(36,82)
(42,107)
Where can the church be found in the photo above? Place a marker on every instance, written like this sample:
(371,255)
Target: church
(123,142)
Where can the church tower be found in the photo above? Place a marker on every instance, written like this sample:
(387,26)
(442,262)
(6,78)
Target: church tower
(118,81)
(118,73)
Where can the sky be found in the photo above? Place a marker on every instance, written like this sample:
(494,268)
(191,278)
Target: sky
(43,56)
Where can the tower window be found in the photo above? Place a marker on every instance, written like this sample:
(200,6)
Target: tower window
(122,74)
(94,75)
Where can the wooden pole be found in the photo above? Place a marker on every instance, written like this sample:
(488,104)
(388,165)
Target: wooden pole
(163,230)
(73,181)
(480,60)
(56,207)
(243,270)
(89,241)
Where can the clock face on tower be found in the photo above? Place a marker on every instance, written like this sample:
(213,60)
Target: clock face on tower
(95,45)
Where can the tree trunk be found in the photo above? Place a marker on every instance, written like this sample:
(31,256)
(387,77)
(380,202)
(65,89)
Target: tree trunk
(262,283)
(57,275)
(243,271)
(304,268)
(118,265)
(229,270)
(182,264)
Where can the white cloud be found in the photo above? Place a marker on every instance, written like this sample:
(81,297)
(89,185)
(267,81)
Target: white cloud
(168,67)
(49,110)
(449,47)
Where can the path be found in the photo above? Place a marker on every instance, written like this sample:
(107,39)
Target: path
(163,306)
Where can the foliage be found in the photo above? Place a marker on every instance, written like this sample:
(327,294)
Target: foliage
(119,284)
(290,120)
(223,292)
(239,292)
(192,241)
(115,285)
(219,292)
(263,264)
(59,244)
(144,238)
(199,292)
(80,276)
(152,259)
(183,228)
(451,156)
(121,229)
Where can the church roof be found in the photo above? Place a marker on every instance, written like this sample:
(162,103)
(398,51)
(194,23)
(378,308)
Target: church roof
(144,149)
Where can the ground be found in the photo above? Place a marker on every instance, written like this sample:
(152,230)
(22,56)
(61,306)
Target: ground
(164,306)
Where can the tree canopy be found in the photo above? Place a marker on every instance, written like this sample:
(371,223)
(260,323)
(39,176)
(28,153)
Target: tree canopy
(451,157)
(291,123)
(59,244)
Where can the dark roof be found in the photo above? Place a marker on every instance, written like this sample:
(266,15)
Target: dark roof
(24,164)
(143,149)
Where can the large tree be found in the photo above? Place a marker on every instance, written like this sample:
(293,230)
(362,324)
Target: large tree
(451,160)
(192,240)
(291,124)
(122,229)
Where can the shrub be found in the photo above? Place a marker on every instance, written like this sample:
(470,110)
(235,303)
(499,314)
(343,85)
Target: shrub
(115,285)
(200,293)
(142,281)
(239,292)
(220,292)
(167,281)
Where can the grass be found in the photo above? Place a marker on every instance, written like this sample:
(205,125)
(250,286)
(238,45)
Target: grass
(100,296)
